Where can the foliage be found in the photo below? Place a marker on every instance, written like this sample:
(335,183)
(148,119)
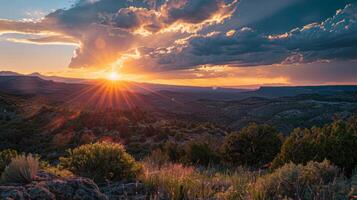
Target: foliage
(353,191)
(22,169)
(312,181)
(173,151)
(157,158)
(101,161)
(175,181)
(200,153)
(190,153)
(254,145)
(5,158)
(56,170)
(335,142)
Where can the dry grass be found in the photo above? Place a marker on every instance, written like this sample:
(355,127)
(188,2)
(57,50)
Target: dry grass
(312,181)
(175,181)
(353,192)
(22,169)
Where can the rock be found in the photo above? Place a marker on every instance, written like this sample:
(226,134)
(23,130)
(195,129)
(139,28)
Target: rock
(40,193)
(86,190)
(13,193)
(125,191)
(82,194)
(60,188)
(43,175)
(51,187)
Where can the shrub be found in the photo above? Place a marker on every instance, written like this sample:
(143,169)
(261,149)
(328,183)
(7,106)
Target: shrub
(353,192)
(22,169)
(312,181)
(200,153)
(101,161)
(173,150)
(254,145)
(5,158)
(299,147)
(157,158)
(56,170)
(334,142)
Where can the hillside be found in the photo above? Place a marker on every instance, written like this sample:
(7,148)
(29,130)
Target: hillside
(174,137)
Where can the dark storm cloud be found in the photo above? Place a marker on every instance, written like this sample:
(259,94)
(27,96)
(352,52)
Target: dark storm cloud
(107,29)
(169,13)
(86,12)
(190,11)
(245,46)
(332,39)
(276,16)
(184,34)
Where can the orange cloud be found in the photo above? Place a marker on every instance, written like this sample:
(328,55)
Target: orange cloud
(104,36)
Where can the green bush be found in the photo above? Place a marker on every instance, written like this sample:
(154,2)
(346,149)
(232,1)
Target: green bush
(5,158)
(335,142)
(22,169)
(56,170)
(312,181)
(200,153)
(299,147)
(173,150)
(254,145)
(101,161)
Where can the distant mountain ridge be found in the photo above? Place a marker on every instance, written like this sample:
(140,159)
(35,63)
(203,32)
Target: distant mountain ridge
(60,79)
(9,73)
(283,107)
(134,86)
(38,83)
(31,85)
(297,90)
(49,78)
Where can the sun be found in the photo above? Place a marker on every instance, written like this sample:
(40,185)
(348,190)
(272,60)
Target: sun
(113,76)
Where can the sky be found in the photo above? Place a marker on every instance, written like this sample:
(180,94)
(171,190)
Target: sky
(231,43)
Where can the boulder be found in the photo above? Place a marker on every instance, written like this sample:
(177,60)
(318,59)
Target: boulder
(13,193)
(126,191)
(50,187)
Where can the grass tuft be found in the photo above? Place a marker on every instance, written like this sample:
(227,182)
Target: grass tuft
(22,169)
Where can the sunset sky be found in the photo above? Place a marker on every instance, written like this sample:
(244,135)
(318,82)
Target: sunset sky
(185,42)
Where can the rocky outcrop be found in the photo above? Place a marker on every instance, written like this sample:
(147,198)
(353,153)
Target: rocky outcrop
(130,191)
(51,187)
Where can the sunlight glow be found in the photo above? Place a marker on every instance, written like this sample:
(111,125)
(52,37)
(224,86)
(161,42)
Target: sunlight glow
(113,76)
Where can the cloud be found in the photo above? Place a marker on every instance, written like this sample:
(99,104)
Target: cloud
(332,39)
(9,26)
(244,47)
(105,30)
(194,11)
(276,16)
(158,35)
(173,15)
(49,40)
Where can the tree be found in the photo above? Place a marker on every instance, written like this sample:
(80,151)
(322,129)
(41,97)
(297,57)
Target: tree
(200,153)
(255,145)
(336,142)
